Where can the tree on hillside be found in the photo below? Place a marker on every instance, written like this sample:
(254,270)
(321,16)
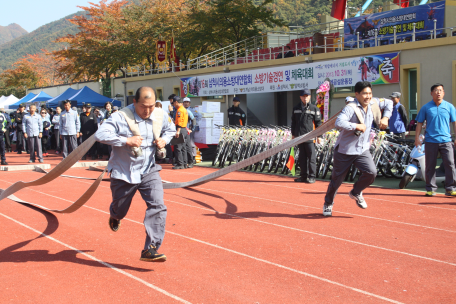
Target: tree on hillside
(224,22)
(93,53)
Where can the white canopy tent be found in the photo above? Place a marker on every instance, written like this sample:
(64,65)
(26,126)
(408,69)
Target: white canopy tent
(8,100)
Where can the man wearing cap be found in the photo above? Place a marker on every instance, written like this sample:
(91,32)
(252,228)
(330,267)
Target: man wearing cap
(69,128)
(20,140)
(191,148)
(181,130)
(89,125)
(306,117)
(132,172)
(5,123)
(32,125)
(398,120)
(236,116)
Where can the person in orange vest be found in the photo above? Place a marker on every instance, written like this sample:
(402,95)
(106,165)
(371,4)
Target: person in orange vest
(181,121)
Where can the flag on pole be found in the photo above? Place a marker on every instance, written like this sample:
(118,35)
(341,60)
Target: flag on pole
(291,162)
(338,9)
(402,3)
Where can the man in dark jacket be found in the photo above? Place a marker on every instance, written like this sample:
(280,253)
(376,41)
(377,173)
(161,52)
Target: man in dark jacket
(19,131)
(306,117)
(5,123)
(398,121)
(236,116)
(89,125)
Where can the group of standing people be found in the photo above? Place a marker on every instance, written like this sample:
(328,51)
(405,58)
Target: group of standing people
(184,120)
(34,130)
(352,145)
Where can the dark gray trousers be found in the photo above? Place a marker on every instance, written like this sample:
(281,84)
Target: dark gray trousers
(307,160)
(57,140)
(151,190)
(2,147)
(188,148)
(446,151)
(34,142)
(342,163)
(69,144)
(181,149)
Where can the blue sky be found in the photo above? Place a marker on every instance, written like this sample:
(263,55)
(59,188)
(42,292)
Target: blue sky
(31,14)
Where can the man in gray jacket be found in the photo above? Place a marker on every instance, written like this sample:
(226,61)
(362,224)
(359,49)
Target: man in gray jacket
(133,168)
(352,145)
(32,125)
(69,128)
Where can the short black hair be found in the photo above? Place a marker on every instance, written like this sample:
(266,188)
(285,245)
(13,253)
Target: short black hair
(66,101)
(436,86)
(361,85)
(138,92)
(171,96)
(107,103)
(288,47)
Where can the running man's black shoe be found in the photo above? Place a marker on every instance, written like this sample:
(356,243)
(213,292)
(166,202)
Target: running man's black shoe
(114,224)
(151,255)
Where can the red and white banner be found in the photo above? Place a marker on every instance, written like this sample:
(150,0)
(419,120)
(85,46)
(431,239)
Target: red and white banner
(161,52)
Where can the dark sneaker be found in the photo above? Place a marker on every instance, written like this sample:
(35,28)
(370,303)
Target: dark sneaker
(100,157)
(31,161)
(114,224)
(94,157)
(84,158)
(359,199)
(327,209)
(189,166)
(4,163)
(311,180)
(447,193)
(300,180)
(178,167)
(151,255)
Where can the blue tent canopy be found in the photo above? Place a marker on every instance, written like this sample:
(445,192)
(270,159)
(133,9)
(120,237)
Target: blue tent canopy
(22,100)
(40,97)
(86,95)
(56,101)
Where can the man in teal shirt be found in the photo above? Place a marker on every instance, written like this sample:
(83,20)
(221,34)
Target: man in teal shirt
(438,115)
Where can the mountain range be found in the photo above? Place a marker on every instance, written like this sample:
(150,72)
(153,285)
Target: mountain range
(10,32)
(34,42)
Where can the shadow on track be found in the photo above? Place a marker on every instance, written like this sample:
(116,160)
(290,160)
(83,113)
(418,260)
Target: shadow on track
(231,210)
(12,255)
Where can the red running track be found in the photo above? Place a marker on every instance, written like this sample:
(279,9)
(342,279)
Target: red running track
(245,238)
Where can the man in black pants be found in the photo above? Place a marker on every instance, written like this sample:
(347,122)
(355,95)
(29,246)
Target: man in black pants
(19,131)
(306,117)
(89,125)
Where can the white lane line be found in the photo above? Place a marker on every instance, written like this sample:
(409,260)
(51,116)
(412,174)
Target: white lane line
(265,261)
(100,261)
(379,199)
(276,201)
(319,234)
(354,214)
